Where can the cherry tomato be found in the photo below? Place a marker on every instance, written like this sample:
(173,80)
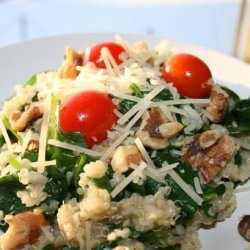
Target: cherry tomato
(95,53)
(189,74)
(91,113)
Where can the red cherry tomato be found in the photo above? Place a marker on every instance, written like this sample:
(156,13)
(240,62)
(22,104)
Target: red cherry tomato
(91,113)
(95,53)
(189,74)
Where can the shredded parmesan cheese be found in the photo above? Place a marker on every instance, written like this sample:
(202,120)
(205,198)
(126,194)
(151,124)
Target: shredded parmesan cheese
(185,187)
(26,141)
(242,189)
(106,61)
(72,147)
(197,185)
(241,143)
(128,179)
(45,164)
(43,134)
(126,132)
(144,152)
(181,102)
(140,104)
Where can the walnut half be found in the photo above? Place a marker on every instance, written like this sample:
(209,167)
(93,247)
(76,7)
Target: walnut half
(209,152)
(244,227)
(24,229)
(21,120)
(156,130)
(218,105)
(72,60)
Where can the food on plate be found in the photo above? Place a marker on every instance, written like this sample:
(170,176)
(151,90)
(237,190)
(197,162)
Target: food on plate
(244,227)
(122,147)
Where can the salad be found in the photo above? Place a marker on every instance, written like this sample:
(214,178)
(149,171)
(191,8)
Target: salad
(123,147)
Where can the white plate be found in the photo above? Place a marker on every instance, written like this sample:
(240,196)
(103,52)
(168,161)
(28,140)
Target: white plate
(20,61)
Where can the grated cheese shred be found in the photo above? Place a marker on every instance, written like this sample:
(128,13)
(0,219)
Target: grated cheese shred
(72,147)
(140,104)
(43,134)
(185,187)
(128,179)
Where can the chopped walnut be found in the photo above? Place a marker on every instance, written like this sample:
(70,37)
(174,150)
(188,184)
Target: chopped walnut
(21,120)
(156,130)
(244,227)
(33,145)
(72,60)
(218,105)
(124,156)
(209,152)
(24,229)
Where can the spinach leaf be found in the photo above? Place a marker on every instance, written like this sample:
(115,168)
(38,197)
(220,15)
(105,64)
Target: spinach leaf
(164,95)
(31,156)
(233,98)
(103,183)
(106,245)
(238,119)
(9,202)
(209,210)
(2,141)
(153,236)
(126,105)
(174,247)
(213,191)
(238,158)
(188,205)
(56,189)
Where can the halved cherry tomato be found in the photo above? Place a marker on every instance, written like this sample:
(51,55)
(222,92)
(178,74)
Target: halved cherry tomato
(189,74)
(95,53)
(91,113)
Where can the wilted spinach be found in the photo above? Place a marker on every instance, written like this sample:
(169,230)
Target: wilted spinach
(9,202)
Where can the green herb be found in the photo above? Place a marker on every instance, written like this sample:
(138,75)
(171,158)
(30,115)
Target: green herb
(14,162)
(31,81)
(13,132)
(82,161)
(136,90)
